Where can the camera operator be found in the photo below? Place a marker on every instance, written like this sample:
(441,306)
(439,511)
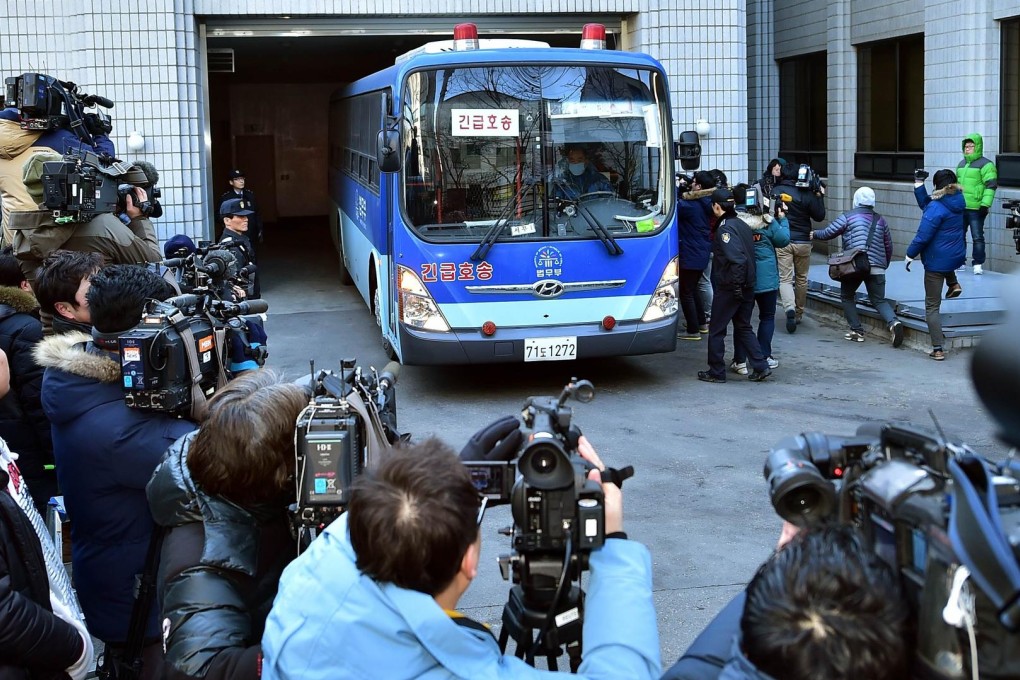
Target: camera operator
(824,605)
(61,286)
(106,453)
(17,146)
(375,594)
(223,492)
(803,204)
(235,214)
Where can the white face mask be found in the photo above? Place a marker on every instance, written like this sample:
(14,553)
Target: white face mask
(576,169)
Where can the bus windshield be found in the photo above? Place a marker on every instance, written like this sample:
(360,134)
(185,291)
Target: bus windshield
(535,152)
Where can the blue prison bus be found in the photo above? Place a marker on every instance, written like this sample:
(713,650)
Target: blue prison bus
(458,221)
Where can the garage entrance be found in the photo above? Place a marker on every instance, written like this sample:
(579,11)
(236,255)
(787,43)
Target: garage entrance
(269,84)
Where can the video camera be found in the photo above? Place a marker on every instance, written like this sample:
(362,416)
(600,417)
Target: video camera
(1013,220)
(176,357)
(46,103)
(559,518)
(82,185)
(807,178)
(209,268)
(337,437)
(912,495)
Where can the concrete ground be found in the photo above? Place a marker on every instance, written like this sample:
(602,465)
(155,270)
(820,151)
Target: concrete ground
(698,499)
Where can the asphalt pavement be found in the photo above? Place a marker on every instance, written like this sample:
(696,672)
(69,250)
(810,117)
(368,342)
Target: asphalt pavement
(698,499)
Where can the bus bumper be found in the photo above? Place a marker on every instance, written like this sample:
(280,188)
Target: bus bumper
(419,348)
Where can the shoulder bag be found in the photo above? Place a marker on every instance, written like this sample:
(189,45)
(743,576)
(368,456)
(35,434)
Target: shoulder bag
(853,263)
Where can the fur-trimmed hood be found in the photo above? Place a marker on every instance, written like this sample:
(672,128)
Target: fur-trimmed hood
(21,301)
(70,353)
(947,190)
(754,221)
(695,195)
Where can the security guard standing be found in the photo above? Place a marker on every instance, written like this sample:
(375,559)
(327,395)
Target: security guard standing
(235,214)
(733,278)
(239,190)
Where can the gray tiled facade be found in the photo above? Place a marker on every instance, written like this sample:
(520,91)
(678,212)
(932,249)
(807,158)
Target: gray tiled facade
(721,61)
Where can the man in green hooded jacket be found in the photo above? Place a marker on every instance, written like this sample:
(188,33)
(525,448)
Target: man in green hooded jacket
(979,179)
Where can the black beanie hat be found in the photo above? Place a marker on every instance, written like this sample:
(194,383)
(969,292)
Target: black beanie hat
(944,178)
(703,177)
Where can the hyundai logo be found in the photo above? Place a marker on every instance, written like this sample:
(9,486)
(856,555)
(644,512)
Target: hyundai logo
(548,288)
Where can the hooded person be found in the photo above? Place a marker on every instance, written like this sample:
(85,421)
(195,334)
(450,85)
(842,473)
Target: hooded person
(978,180)
(941,245)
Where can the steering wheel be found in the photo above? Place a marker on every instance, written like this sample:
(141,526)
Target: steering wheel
(595,194)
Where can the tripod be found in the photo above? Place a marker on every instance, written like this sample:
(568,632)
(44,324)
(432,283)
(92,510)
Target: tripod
(521,619)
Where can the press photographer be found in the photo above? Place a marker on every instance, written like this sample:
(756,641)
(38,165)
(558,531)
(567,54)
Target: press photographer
(937,519)
(412,528)
(105,454)
(221,496)
(42,113)
(803,193)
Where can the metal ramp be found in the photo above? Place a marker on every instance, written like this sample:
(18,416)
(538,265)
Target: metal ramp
(972,314)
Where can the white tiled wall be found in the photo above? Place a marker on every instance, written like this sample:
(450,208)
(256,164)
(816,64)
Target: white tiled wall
(146,58)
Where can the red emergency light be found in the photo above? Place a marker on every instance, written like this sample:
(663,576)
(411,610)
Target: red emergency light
(465,37)
(593,37)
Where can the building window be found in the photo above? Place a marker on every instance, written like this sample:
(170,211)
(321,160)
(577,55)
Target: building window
(890,108)
(1008,162)
(803,111)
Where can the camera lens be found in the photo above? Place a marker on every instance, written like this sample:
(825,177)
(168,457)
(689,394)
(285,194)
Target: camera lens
(799,492)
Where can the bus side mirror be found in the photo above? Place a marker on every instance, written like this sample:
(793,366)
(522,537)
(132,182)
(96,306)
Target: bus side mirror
(687,150)
(388,153)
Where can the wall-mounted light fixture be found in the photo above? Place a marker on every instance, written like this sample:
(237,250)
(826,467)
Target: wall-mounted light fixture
(135,141)
(702,127)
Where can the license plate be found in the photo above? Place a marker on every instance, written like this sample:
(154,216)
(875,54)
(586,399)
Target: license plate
(550,349)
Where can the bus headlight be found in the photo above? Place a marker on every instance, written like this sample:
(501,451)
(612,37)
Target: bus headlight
(417,308)
(666,298)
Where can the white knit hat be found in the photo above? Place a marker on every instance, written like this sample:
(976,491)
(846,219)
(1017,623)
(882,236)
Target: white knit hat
(864,196)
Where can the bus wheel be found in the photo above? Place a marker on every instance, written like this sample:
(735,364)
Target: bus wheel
(345,275)
(377,309)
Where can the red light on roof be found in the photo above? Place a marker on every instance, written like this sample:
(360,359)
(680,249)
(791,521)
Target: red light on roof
(593,37)
(465,37)
(609,323)
(488,328)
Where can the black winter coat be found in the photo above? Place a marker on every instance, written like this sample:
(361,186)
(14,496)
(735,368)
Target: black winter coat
(34,643)
(23,424)
(804,207)
(733,262)
(218,575)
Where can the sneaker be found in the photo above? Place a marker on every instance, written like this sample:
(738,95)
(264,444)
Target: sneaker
(955,291)
(896,330)
(791,321)
(937,354)
(758,376)
(739,369)
(854,336)
(689,336)
(978,271)
(705,376)
(703,329)
(773,363)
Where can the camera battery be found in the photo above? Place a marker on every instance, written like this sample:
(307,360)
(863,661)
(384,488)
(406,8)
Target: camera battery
(329,468)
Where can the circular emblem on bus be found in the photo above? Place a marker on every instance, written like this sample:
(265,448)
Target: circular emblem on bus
(548,288)
(548,257)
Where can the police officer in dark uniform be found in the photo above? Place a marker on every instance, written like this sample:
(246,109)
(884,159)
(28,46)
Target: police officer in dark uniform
(238,190)
(733,277)
(235,214)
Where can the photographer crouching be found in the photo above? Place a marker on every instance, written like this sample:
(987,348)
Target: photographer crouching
(376,594)
(221,494)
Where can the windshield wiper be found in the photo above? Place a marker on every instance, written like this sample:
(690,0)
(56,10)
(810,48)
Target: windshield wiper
(503,219)
(593,223)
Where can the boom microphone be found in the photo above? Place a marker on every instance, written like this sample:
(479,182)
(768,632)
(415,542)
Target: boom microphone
(151,174)
(389,375)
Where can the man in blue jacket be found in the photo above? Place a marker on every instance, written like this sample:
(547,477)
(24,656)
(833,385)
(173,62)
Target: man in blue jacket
(695,219)
(942,246)
(375,595)
(106,453)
